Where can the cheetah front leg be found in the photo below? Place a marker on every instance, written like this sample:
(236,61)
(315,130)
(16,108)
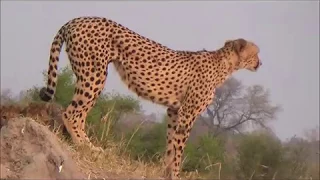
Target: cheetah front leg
(170,152)
(186,116)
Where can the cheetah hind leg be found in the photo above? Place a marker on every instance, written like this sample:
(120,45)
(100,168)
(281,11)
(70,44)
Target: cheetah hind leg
(75,114)
(73,119)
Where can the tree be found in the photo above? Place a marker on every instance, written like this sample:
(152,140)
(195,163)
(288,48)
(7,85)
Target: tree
(235,107)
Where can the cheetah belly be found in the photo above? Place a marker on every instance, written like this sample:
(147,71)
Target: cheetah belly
(150,84)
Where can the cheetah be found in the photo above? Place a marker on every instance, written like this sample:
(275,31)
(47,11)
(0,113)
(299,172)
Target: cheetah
(182,81)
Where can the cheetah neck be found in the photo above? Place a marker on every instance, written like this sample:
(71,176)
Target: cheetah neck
(228,58)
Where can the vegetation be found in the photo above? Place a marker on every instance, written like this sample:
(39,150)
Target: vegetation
(219,146)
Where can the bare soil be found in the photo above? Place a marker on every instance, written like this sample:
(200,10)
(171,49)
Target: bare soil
(30,150)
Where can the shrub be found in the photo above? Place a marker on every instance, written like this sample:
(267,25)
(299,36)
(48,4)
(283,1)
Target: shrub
(204,155)
(148,144)
(259,156)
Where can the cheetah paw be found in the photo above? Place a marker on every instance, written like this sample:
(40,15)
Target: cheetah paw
(97,149)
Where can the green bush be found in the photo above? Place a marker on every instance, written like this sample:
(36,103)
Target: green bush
(295,160)
(148,144)
(259,156)
(204,156)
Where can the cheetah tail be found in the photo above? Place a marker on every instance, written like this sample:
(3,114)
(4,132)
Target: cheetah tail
(47,93)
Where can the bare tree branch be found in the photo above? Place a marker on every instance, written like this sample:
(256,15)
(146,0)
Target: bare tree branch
(235,107)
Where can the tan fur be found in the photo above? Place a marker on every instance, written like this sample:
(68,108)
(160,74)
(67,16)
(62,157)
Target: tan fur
(183,81)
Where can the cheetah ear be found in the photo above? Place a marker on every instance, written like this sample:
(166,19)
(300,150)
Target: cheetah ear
(227,42)
(239,45)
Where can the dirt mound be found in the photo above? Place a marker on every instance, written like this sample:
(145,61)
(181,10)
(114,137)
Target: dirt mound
(31,150)
(34,144)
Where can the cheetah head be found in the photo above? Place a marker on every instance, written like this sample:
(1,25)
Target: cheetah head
(247,54)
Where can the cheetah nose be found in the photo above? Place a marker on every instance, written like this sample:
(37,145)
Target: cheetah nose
(260,63)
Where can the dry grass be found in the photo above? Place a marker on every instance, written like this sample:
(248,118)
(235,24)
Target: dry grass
(114,162)
(111,163)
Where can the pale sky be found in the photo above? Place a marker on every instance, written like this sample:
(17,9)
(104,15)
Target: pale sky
(286,32)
